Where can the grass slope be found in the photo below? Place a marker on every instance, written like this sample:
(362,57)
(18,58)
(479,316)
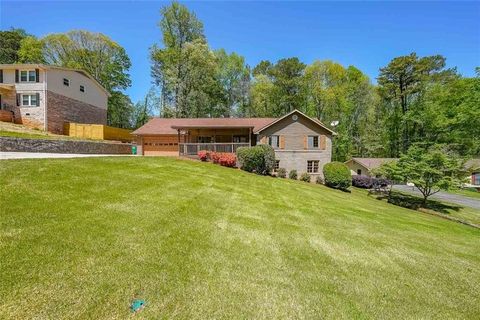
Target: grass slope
(79,238)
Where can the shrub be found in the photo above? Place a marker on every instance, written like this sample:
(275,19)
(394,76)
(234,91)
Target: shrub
(292,174)
(259,159)
(241,155)
(202,154)
(337,175)
(227,159)
(362,182)
(369,182)
(215,156)
(281,173)
(319,180)
(305,177)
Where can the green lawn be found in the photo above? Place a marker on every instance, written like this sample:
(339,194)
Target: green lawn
(39,135)
(79,238)
(467,192)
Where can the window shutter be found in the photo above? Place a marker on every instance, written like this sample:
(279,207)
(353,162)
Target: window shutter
(38,99)
(1,76)
(305,142)
(16,76)
(37,75)
(323,142)
(282,142)
(18,99)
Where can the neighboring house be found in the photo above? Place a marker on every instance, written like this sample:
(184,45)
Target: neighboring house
(45,97)
(301,143)
(473,167)
(364,166)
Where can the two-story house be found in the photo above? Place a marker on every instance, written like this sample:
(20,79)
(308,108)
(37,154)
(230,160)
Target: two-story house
(301,143)
(45,97)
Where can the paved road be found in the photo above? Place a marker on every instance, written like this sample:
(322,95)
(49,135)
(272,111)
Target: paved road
(41,155)
(444,196)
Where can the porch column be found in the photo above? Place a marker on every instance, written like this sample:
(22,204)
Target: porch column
(178,138)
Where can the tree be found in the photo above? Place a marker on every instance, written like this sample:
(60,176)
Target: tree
(31,50)
(95,53)
(146,108)
(183,38)
(120,110)
(287,77)
(431,170)
(234,77)
(401,85)
(10,44)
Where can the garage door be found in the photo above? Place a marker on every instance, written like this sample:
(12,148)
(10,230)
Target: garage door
(160,145)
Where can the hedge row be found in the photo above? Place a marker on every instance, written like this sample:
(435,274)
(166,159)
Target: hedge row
(368,182)
(222,158)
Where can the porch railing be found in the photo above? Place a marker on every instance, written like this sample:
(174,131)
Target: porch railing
(189,149)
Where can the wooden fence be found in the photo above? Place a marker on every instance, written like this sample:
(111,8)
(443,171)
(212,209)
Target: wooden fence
(97,132)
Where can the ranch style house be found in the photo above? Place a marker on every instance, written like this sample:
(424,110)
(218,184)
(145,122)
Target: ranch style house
(300,142)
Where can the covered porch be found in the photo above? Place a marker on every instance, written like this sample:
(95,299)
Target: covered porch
(192,139)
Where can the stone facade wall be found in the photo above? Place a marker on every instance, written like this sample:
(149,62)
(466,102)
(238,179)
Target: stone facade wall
(297,160)
(63,146)
(61,109)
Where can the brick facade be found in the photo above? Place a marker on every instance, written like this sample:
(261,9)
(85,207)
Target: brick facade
(61,109)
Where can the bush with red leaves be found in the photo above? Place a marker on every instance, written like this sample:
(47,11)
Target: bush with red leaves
(203,155)
(227,159)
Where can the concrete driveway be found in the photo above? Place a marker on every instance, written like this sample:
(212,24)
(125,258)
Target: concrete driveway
(41,155)
(443,196)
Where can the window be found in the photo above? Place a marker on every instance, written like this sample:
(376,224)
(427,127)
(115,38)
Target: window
(359,172)
(66,82)
(274,141)
(29,100)
(312,166)
(28,76)
(277,165)
(204,139)
(82,89)
(476,179)
(312,142)
(240,139)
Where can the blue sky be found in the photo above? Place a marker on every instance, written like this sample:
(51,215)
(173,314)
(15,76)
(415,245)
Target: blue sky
(365,34)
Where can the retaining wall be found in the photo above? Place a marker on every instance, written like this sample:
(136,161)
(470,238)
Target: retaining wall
(63,146)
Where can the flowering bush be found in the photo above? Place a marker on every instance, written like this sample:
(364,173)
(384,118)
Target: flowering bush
(227,159)
(222,158)
(203,155)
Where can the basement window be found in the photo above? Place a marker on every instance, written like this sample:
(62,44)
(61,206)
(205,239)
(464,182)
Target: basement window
(82,89)
(66,82)
(312,166)
(29,100)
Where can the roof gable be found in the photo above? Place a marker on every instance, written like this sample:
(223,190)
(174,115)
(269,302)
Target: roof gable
(298,113)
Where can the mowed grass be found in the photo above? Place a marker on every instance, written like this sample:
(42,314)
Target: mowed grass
(79,238)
